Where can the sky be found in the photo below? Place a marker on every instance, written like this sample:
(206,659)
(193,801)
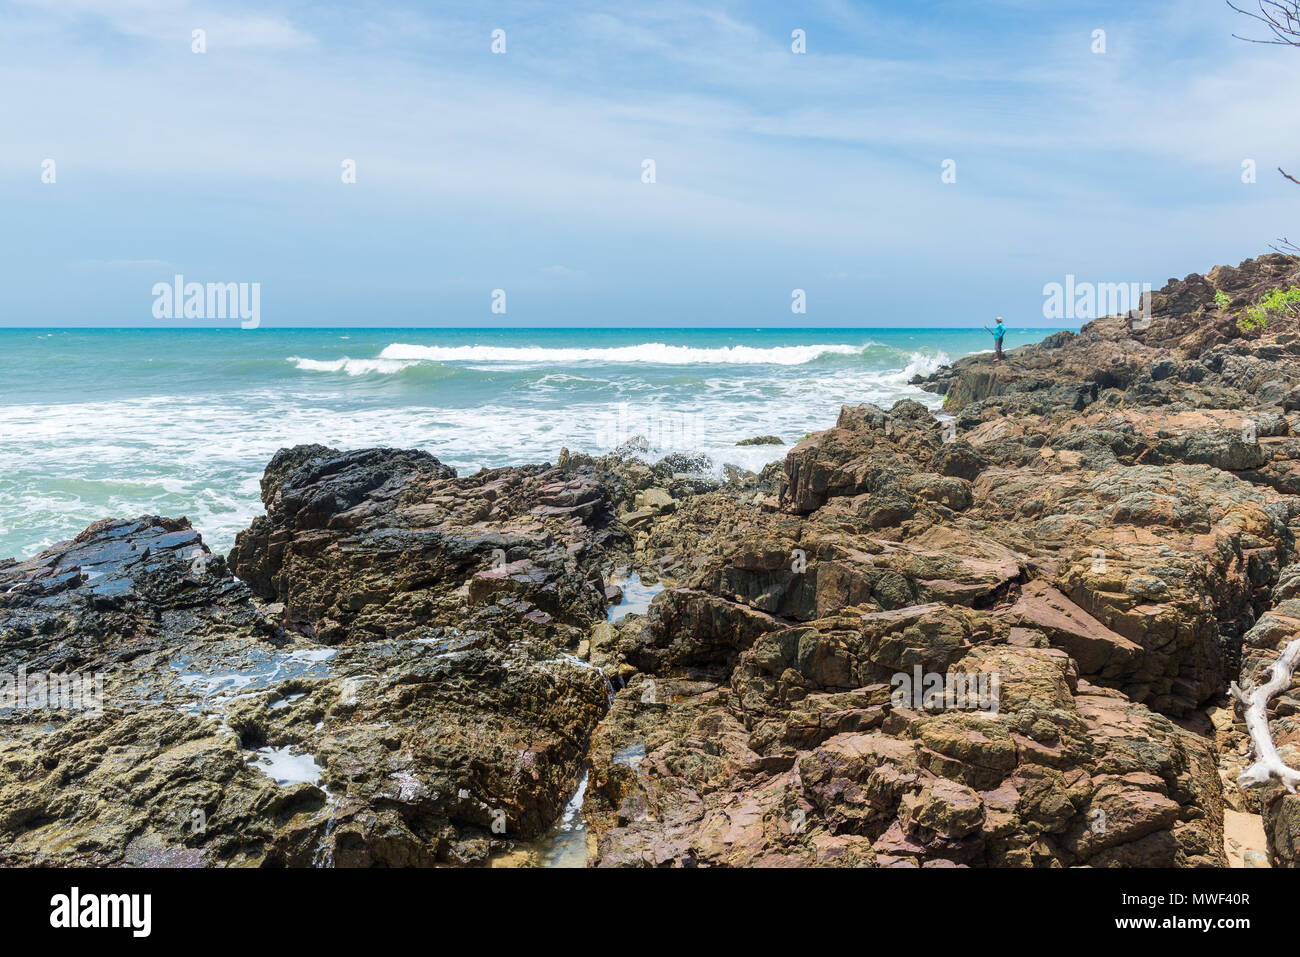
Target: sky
(524,170)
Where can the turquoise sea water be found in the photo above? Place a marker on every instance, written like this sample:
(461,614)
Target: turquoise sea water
(119,422)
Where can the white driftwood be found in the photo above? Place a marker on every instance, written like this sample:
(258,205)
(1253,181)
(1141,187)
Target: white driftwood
(1254,703)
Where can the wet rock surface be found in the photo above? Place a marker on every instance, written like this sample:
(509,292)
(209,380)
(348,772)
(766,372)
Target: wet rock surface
(1104,521)
(395,687)
(1000,636)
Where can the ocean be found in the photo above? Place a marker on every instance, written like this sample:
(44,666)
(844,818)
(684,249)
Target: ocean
(120,422)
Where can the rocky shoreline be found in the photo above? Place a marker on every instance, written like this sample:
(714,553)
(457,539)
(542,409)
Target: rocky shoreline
(399,666)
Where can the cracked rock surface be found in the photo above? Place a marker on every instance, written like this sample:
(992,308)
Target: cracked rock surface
(400,666)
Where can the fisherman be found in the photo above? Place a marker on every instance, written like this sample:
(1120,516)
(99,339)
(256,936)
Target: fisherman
(997,332)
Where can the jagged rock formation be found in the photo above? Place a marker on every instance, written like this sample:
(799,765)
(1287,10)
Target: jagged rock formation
(411,649)
(1106,523)
(1001,637)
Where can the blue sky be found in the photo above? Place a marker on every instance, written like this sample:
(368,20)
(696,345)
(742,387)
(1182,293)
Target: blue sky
(522,171)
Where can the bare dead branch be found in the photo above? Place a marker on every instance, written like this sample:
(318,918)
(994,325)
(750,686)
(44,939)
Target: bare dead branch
(1281,17)
(1254,705)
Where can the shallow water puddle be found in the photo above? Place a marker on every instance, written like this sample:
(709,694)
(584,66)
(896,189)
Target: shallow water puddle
(285,767)
(632,756)
(255,669)
(567,844)
(636,598)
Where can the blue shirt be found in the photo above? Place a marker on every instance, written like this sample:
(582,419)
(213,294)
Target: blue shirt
(999,331)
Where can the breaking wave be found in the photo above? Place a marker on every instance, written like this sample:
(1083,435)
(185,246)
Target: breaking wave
(648,352)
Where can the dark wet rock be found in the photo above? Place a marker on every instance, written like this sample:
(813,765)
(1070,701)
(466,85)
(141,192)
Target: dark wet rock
(379,543)
(448,721)
(1075,560)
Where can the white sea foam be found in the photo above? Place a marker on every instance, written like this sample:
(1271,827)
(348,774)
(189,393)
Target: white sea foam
(202,456)
(166,443)
(351,366)
(284,766)
(649,352)
(922,363)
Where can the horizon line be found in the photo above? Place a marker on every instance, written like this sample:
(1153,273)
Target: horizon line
(266,328)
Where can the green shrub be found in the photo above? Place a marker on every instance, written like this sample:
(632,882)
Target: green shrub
(1222,299)
(1279,302)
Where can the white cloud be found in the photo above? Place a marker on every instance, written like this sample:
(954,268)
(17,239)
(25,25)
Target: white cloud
(126,263)
(1063,156)
(172,21)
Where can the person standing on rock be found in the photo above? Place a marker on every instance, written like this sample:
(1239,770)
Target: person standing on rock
(997,332)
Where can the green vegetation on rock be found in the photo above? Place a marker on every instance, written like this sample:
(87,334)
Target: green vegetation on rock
(1279,302)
